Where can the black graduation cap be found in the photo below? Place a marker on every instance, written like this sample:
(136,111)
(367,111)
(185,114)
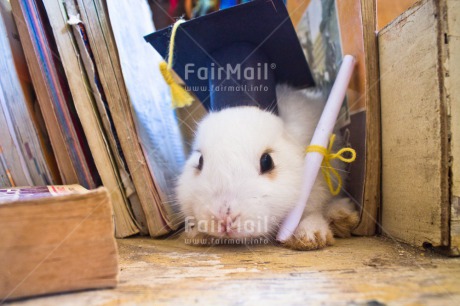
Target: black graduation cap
(236,56)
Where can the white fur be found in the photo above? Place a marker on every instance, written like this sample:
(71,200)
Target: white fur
(230,189)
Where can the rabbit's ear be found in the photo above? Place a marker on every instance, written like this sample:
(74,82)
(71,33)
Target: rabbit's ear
(300,111)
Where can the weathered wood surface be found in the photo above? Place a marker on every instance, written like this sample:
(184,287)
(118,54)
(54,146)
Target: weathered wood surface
(452,65)
(415,187)
(354,271)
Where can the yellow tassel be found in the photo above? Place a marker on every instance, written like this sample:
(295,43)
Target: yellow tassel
(326,166)
(179,96)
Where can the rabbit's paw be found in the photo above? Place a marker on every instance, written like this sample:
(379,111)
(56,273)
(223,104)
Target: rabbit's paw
(312,233)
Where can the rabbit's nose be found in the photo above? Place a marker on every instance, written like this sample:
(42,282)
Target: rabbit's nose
(228,222)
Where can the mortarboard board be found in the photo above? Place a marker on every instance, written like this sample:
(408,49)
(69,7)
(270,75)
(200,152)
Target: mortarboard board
(236,56)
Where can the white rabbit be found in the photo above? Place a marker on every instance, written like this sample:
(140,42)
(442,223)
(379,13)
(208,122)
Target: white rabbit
(245,173)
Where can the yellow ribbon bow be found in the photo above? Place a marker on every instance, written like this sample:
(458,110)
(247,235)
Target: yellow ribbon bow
(179,96)
(326,166)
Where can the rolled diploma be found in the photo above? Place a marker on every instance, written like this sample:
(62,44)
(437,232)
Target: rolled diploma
(321,137)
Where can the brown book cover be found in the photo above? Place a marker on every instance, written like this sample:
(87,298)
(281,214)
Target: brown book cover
(55,239)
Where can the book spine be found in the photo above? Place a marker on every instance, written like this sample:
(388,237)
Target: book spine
(13,102)
(59,99)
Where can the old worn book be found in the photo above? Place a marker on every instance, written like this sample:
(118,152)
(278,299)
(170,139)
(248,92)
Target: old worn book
(158,213)
(76,165)
(23,143)
(55,239)
(327,30)
(88,114)
(156,123)
(420,97)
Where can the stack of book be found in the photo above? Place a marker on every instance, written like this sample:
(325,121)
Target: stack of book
(75,115)
(73,109)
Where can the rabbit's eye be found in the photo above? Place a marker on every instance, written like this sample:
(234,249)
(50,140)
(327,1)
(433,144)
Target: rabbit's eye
(266,163)
(200,163)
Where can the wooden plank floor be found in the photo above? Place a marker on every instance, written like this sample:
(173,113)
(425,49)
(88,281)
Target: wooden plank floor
(356,271)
